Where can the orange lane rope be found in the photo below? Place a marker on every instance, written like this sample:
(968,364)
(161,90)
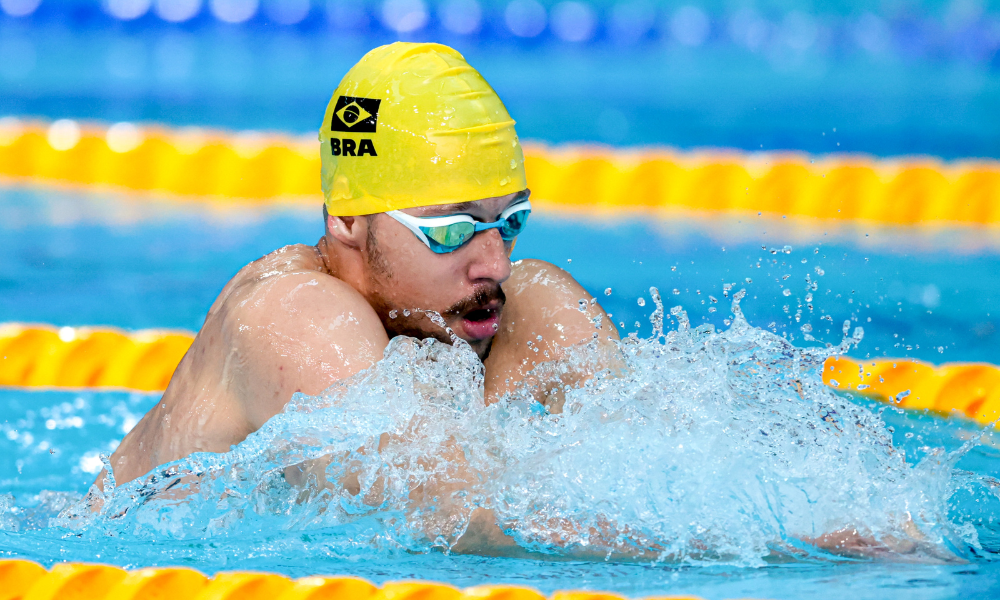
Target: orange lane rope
(26,580)
(82,357)
(85,357)
(273,167)
(970,389)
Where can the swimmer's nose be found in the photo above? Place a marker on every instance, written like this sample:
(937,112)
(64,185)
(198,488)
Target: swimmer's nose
(489,258)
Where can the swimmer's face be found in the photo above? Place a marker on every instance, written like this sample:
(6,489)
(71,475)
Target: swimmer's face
(403,274)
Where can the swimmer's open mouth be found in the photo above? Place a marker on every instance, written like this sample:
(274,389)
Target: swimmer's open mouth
(482,323)
(480,314)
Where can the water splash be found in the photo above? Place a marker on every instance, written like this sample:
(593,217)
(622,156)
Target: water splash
(700,446)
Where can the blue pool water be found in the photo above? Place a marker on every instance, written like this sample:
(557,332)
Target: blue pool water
(845,76)
(164,262)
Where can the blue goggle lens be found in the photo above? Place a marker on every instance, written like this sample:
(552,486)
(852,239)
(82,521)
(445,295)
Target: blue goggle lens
(514,224)
(449,238)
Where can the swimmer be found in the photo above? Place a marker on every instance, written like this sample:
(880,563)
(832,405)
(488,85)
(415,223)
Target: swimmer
(425,195)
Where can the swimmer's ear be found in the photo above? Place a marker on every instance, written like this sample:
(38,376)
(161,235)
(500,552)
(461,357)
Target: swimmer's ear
(349,231)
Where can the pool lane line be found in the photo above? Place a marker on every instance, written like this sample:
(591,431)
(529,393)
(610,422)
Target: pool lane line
(274,167)
(86,357)
(44,356)
(26,580)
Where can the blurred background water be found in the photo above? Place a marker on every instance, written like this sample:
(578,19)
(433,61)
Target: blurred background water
(886,78)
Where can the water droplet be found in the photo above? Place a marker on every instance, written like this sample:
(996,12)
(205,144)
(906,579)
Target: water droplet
(819,271)
(393,313)
(786,292)
(607,291)
(834,383)
(642,302)
(406,312)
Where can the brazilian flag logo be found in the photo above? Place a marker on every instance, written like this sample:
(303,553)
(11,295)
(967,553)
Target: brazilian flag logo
(355,115)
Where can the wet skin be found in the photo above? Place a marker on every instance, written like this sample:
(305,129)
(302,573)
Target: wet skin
(304,317)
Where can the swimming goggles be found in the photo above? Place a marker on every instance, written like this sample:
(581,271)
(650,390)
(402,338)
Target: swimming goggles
(449,233)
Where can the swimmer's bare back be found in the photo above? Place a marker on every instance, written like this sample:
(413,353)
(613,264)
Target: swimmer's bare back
(284,324)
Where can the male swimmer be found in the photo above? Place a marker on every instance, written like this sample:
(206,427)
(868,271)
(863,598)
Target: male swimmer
(425,194)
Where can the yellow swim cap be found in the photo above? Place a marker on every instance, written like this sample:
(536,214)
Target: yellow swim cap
(414,125)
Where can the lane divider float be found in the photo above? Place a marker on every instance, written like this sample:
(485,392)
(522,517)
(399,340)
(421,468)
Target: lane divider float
(88,357)
(969,389)
(26,580)
(272,167)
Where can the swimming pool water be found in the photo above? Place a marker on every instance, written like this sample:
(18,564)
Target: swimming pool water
(931,90)
(82,258)
(930,293)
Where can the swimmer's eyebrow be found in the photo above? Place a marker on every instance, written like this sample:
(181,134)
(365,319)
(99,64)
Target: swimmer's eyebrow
(465,207)
(447,209)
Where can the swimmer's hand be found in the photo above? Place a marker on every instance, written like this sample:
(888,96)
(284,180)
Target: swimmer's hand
(911,545)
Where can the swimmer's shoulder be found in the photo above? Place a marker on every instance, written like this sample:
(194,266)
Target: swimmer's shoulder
(289,294)
(291,278)
(545,300)
(289,326)
(294,258)
(538,290)
(547,311)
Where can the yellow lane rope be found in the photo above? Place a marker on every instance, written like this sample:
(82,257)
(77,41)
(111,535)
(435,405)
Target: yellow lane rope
(26,580)
(273,167)
(85,357)
(970,389)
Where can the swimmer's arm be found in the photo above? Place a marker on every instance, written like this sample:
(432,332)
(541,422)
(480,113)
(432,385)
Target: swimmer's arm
(299,332)
(909,541)
(546,312)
